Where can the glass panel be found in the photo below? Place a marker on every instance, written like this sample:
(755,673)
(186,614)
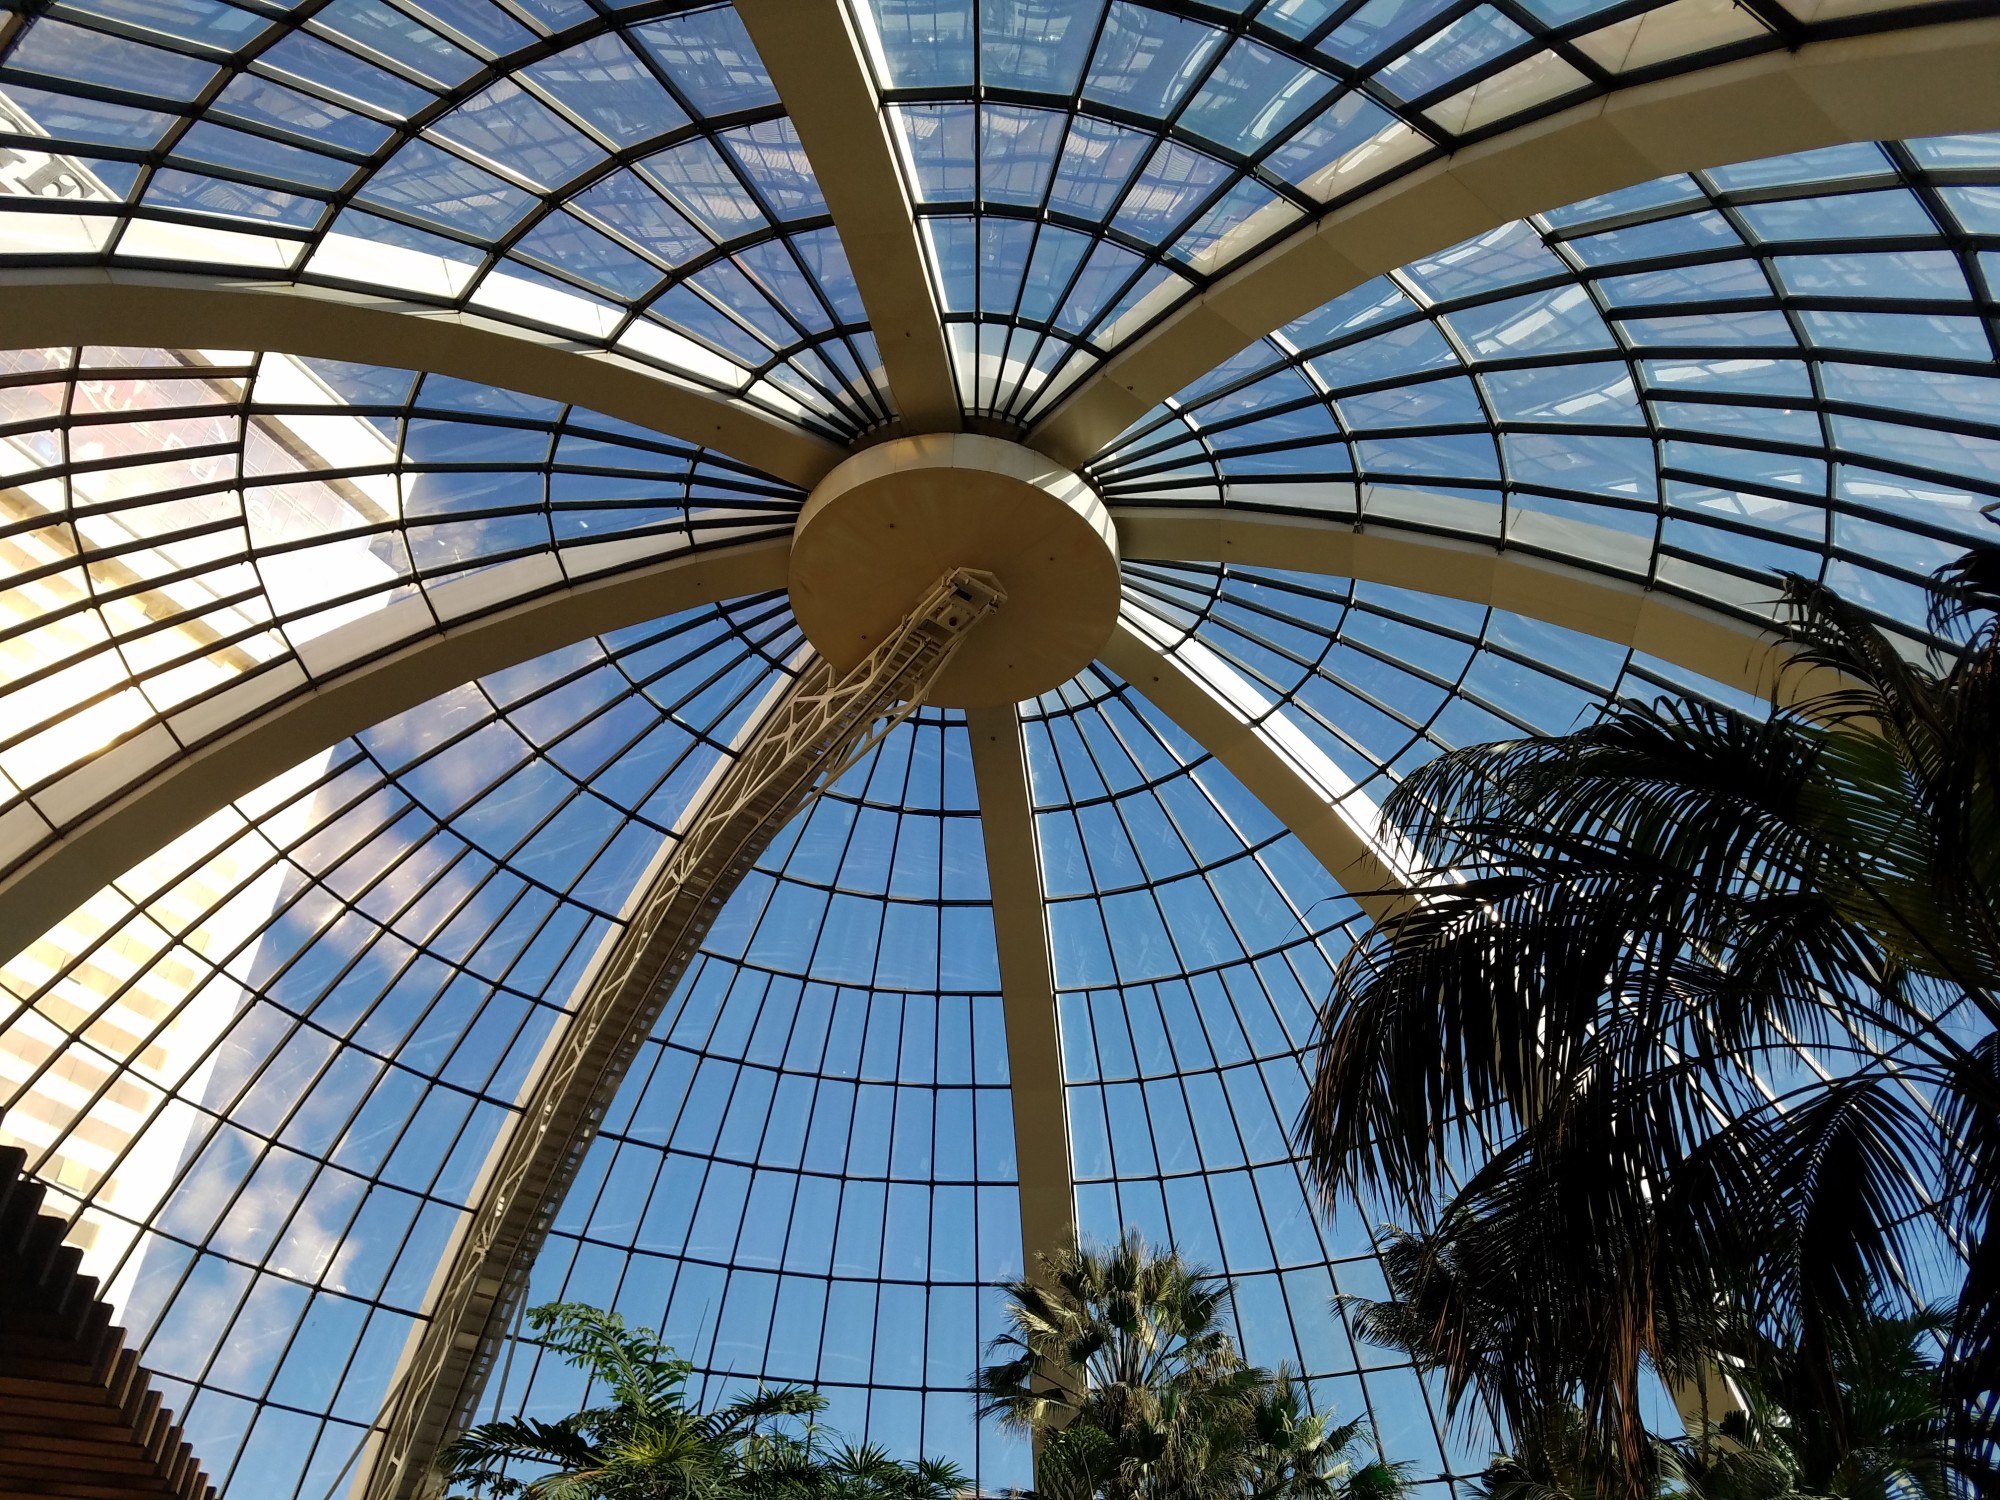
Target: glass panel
(1471,393)
(196,537)
(262,1070)
(496,166)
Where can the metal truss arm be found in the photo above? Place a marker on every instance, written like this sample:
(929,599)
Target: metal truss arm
(811,733)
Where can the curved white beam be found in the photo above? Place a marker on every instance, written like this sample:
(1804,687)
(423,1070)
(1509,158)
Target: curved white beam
(105,841)
(122,817)
(1937,79)
(818,64)
(1231,719)
(1027,983)
(126,819)
(1722,647)
(53,306)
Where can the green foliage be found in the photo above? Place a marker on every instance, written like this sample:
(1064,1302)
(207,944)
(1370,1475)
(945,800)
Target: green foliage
(1766,1433)
(1120,1364)
(1883,1438)
(1611,938)
(647,1443)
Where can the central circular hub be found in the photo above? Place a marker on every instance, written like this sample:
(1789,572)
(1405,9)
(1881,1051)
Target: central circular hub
(883,526)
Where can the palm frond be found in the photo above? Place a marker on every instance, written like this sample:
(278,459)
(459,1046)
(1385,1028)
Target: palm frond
(1965,587)
(650,1443)
(1607,933)
(1970,1127)
(491,1446)
(1846,1172)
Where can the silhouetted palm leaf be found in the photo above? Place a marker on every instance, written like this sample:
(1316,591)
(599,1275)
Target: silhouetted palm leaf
(1610,935)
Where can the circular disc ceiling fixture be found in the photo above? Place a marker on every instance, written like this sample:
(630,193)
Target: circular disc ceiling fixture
(881,528)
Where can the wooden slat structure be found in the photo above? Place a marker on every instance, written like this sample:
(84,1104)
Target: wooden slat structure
(78,1418)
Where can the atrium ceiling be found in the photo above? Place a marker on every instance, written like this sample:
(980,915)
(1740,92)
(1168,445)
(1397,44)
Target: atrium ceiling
(408,410)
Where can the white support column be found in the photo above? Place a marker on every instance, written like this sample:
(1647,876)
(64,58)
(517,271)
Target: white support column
(1027,982)
(810,732)
(820,66)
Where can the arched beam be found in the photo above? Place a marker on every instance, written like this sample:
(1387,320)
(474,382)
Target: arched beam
(1027,983)
(1235,721)
(53,306)
(1721,647)
(1936,79)
(810,49)
(105,841)
(120,821)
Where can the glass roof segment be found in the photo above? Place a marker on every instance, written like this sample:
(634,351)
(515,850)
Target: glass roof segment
(192,537)
(1188,947)
(809,1174)
(1084,166)
(1193,934)
(628,181)
(1698,384)
(320,1008)
(267,1066)
(342,992)
(1377,678)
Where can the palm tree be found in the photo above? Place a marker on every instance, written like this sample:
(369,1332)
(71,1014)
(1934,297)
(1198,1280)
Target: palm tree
(1296,1453)
(1563,1458)
(648,1443)
(1612,939)
(1120,1364)
(1884,1439)
(1769,1434)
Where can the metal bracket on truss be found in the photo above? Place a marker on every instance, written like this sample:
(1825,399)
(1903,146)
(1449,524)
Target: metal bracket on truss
(814,732)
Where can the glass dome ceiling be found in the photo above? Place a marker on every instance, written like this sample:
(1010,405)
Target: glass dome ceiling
(412,408)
